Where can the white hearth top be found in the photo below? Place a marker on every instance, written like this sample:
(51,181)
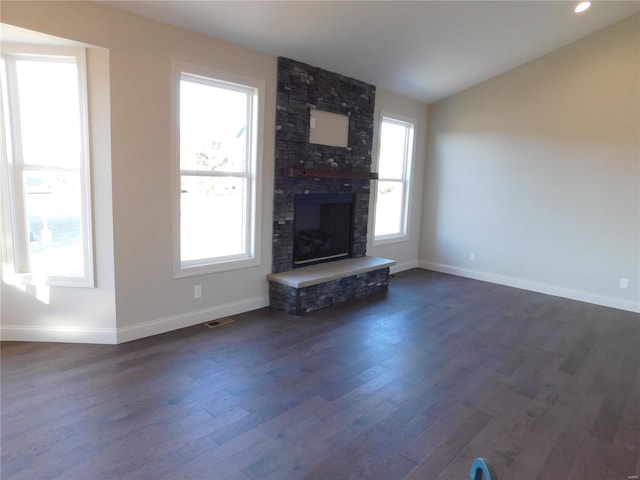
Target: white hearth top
(325,272)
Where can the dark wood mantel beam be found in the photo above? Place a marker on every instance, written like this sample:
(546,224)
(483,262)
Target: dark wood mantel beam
(326,173)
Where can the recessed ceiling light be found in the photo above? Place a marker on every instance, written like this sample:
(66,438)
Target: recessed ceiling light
(582,6)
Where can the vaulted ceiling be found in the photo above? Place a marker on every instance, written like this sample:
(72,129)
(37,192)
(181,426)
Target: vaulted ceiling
(425,50)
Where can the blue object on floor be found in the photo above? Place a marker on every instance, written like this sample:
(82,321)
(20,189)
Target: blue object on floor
(480,467)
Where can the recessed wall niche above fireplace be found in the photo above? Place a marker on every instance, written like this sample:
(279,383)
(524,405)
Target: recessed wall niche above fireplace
(322,187)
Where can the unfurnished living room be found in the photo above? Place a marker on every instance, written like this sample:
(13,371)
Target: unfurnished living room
(320,240)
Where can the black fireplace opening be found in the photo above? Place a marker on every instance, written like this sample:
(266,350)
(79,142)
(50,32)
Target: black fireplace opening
(323,228)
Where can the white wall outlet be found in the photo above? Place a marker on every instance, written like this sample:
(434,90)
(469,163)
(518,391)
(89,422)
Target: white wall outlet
(624,283)
(472,257)
(197,291)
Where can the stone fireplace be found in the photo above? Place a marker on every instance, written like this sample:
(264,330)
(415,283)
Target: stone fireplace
(321,195)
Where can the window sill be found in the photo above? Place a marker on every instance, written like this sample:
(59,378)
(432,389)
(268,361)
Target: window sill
(44,279)
(389,240)
(218,267)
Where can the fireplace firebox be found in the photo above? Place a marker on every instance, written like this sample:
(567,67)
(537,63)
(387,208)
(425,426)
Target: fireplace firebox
(323,228)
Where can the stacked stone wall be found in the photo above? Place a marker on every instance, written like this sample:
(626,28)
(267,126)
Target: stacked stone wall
(302,300)
(302,88)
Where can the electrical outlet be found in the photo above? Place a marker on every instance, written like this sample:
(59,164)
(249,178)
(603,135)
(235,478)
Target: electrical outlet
(624,283)
(197,291)
(472,257)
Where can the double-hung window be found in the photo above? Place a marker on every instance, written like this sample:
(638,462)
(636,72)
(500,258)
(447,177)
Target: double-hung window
(394,173)
(45,166)
(216,211)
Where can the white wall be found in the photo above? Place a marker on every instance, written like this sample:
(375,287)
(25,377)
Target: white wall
(147,298)
(537,171)
(404,252)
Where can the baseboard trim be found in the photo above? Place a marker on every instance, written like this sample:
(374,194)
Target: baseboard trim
(174,322)
(19,333)
(524,284)
(31,333)
(111,336)
(401,267)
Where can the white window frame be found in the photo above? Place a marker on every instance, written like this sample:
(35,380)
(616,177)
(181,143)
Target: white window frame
(408,154)
(253,172)
(15,233)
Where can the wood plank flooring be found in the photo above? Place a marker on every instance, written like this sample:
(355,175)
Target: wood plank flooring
(410,384)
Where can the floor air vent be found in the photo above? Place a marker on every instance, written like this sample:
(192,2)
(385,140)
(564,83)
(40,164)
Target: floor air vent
(217,323)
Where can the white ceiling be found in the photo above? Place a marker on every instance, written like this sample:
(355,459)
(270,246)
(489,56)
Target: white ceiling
(426,50)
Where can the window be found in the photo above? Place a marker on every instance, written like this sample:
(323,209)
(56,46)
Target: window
(394,168)
(45,166)
(218,120)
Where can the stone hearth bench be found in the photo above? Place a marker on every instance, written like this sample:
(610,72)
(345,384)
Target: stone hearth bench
(311,288)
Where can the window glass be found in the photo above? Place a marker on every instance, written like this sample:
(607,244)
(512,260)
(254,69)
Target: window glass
(49,112)
(213,125)
(217,169)
(54,222)
(46,165)
(392,150)
(394,168)
(212,217)
(388,208)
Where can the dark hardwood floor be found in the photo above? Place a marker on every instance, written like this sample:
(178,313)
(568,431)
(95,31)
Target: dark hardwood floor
(411,384)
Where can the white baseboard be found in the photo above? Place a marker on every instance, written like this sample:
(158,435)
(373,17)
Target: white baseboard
(31,333)
(401,267)
(524,284)
(18,333)
(174,322)
(21,333)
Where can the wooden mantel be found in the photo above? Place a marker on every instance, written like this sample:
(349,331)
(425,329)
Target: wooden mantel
(327,173)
